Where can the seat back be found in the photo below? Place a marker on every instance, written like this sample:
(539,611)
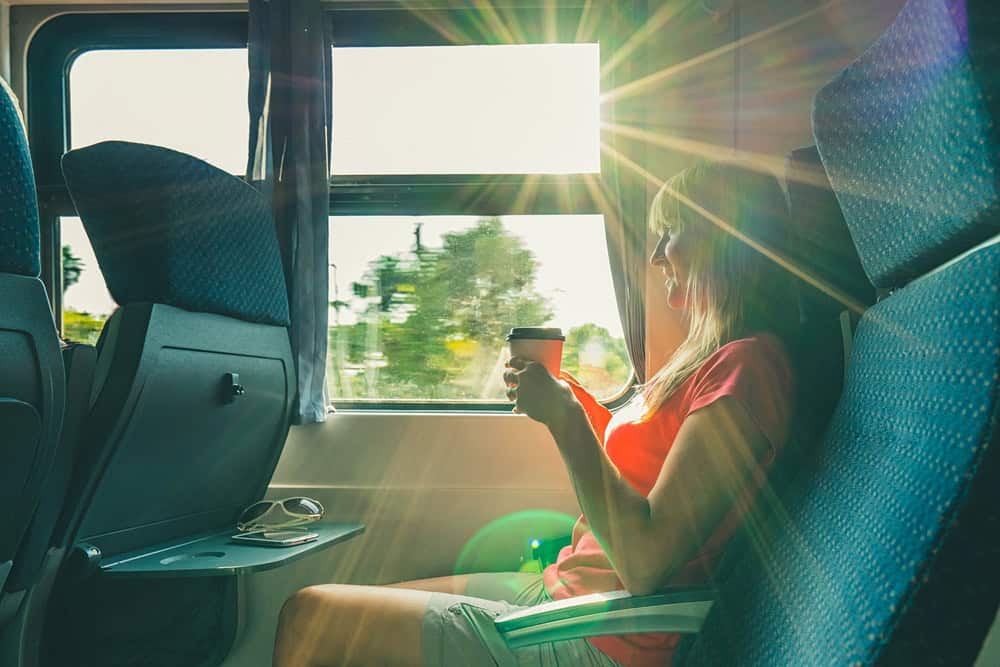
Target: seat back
(838,285)
(194,378)
(32,394)
(818,244)
(887,546)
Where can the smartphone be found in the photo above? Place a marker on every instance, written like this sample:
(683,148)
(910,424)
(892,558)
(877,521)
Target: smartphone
(275,538)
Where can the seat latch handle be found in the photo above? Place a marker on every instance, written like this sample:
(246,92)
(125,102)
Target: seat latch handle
(231,387)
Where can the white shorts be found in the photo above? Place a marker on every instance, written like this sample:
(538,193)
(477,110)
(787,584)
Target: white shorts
(458,630)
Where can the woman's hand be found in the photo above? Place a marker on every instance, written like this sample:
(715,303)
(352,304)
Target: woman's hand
(536,393)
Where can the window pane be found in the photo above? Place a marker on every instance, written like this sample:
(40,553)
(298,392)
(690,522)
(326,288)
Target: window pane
(420,305)
(86,302)
(191,100)
(467,109)
(397,110)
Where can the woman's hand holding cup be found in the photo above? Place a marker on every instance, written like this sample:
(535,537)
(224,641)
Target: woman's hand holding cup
(531,374)
(536,393)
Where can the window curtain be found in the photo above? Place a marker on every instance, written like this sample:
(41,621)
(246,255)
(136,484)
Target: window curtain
(290,102)
(626,237)
(626,227)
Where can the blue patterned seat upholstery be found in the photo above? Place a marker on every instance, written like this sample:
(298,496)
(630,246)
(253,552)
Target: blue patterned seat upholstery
(19,242)
(885,550)
(909,132)
(169,228)
(823,246)
(32,394)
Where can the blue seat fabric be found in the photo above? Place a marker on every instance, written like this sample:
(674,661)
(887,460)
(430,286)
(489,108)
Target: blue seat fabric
(822,246)
(909,132)
(19,240)
(887,496)
(823,243)
(32,395)
(884,550)
(164,227)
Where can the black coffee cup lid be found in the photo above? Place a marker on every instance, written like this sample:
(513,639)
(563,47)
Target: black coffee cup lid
(536,333)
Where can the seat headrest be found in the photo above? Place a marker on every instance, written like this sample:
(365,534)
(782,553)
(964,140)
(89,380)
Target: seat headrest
(909,139)
(169,228)
(823,245)
(19,241)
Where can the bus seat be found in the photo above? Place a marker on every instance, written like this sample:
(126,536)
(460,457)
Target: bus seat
(32,393)
(887,550)
(837,293)
(44,543)
(192,392)
(824,248)
(194,376)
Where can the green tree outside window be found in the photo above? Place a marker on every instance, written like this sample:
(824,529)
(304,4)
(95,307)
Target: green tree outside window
(78,326)
(432,321)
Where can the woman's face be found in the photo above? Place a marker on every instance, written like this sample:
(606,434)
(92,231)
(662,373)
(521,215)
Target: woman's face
(672,254)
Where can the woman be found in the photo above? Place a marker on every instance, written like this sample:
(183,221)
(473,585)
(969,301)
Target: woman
(720,407)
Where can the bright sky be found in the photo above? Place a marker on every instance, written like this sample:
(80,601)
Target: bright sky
(460,109)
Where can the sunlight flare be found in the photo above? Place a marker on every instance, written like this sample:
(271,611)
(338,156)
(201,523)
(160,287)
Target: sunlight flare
(550,22)
(439,21)
(494,23)
(757,161)
(840,296)
(654,23)
(586,26)
(640,86)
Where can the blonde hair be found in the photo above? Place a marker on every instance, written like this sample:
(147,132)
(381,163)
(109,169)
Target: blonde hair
(733,290)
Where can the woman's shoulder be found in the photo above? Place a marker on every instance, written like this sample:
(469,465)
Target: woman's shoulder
(754,345)
(761,350)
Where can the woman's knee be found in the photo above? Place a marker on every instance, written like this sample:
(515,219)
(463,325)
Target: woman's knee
(301,623)
(305,603)
(347,625)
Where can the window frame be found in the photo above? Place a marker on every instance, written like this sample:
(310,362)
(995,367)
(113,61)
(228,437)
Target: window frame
(56,45)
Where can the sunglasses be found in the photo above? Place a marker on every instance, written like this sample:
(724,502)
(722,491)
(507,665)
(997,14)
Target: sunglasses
(273,514)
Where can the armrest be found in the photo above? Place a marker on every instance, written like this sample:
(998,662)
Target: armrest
(682,609)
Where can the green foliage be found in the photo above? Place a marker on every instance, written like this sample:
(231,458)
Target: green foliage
(78,326)
(597,359)
(432,321)
(82,327)
(72,267)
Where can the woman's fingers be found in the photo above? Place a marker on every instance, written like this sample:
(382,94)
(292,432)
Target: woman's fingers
(519,369)
(517,363)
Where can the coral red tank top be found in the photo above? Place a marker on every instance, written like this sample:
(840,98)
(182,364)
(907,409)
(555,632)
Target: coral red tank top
(756,372)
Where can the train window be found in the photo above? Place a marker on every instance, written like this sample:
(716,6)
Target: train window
(504,109)
(420,304)
(191,100)
(480,153)
(86,303)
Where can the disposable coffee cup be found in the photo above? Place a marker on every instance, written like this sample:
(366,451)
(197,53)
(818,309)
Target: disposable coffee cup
(541,344)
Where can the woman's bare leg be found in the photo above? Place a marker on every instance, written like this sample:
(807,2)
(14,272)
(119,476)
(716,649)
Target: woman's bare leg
(498,586)
(454,584)
(339,626)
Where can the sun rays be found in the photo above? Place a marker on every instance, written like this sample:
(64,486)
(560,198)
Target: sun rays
(619,133)
(659,19)
(500,25)
(650,81)
(831,291)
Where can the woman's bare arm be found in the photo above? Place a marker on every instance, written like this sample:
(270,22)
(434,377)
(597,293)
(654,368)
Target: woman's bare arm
(649,538)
